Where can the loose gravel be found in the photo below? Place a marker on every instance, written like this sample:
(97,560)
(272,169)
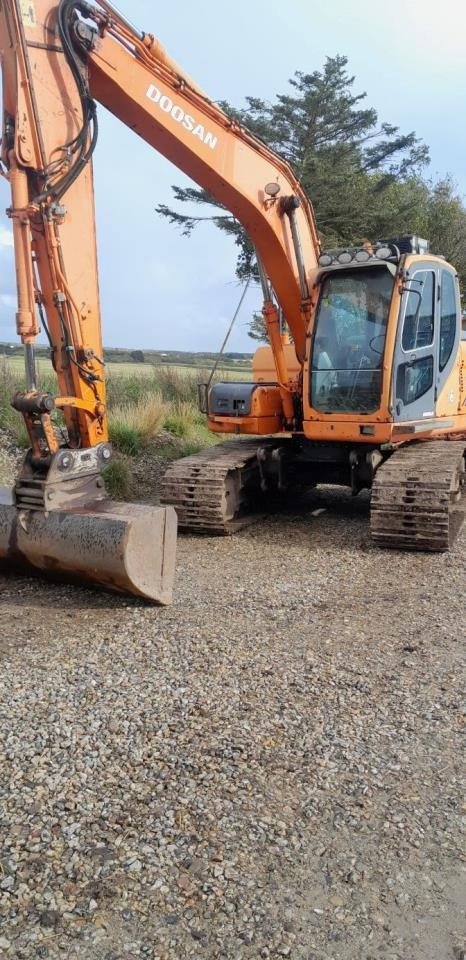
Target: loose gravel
(10,457)
(269,768)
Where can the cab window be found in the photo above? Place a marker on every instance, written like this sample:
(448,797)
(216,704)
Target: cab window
(349,340)
(414,379)
(448,318)
(418,327)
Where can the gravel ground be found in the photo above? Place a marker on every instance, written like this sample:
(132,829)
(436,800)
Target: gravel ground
(10,458)
(268,768)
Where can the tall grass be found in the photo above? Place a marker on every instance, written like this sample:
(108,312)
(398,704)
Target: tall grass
(177,385)
(172,385)
(10,419)
(133,425)
(182,417)
(142,407)
(117,478)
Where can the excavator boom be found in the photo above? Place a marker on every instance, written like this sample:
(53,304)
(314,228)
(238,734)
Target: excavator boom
(57,61)
(133,77)
(58,519)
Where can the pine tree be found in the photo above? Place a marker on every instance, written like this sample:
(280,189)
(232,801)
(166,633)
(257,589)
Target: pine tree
(363,177)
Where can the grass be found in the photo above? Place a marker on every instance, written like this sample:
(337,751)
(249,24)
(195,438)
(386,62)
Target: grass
(183,418)
(151,411)
(13,422)
(133,425)
(117,478)
(10,419)
(128,370)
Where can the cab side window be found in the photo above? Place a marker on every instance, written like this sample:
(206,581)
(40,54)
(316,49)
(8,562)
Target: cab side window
(448,318)
(414,379)
(418,327)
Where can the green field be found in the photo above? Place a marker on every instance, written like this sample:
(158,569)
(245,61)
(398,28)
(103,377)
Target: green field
(231,371)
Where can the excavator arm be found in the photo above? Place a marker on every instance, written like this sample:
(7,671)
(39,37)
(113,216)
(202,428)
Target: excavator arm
(57,61)
(46,136)
(58,518)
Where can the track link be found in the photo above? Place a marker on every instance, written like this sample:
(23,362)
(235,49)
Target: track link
(213,491)
(417,499)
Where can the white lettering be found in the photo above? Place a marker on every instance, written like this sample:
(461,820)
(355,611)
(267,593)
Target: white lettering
(178,114)
(153,93)
(166,104)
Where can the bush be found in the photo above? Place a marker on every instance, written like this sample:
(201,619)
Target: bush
(123,389)
(137,356)
(117,478)
(182,417)
(133,426)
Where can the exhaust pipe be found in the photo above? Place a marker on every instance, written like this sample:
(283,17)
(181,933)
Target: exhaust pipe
(130,548)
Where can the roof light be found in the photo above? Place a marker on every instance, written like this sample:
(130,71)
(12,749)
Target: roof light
(384,253)
(363,256)
(423,245)
(345,257)
(325,260)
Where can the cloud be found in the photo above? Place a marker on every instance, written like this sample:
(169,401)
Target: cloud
(6,237)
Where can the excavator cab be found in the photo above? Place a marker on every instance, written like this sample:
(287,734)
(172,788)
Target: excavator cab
(384,344)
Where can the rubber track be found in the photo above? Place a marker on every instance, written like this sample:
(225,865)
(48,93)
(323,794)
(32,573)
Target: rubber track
(416,496)
(211,490)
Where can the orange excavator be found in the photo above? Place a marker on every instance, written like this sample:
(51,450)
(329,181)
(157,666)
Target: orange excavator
(364,379)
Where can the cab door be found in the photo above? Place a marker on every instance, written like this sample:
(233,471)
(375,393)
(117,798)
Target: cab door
(449,334)
(414,371)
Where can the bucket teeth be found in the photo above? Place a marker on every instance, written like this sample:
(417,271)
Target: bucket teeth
(130,548)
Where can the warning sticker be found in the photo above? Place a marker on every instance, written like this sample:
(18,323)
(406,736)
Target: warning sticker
(28,13)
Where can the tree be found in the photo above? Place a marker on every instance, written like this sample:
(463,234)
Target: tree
(137,356)
(364,177)
(257,329)
(444,222)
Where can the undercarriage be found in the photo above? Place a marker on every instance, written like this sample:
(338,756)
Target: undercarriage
(416,489)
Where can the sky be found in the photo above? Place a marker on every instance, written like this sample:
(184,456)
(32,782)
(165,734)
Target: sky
(164,292)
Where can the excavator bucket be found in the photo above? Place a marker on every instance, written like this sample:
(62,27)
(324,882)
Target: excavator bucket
(130,548)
